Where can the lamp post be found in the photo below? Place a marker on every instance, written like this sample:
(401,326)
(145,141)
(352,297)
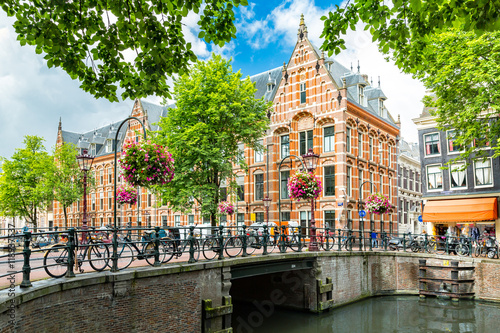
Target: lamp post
(85,162)
(311,161)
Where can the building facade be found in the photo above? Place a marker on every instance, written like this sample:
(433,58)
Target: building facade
(409,188)
(317,104)
(459,195)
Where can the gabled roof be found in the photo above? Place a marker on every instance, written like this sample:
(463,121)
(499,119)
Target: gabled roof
(262,80)
(155,112)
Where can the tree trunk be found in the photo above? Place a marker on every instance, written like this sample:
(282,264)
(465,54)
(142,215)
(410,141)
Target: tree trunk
(65,218)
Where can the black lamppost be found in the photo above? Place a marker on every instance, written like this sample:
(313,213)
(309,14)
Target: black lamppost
(311,161)
(85,162)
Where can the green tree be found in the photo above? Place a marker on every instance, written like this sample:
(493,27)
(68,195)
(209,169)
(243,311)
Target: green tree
(215,111)
(462,71)
(402,27)
(25,183)
(67,178)
(89,39)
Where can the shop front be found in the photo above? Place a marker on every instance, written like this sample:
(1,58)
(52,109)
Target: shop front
(457,217)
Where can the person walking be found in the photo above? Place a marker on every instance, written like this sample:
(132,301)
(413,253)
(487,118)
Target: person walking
(373,236)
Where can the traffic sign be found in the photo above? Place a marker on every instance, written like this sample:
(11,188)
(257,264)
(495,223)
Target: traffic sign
(420,218)
(362,213)
(340,204)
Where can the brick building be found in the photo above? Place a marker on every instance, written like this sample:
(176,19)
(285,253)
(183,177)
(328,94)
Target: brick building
(318,104)
(409,188)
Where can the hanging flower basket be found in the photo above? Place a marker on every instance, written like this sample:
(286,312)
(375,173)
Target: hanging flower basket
(145,164)
(126,194)
(377,203)
(304,186)
(225,207)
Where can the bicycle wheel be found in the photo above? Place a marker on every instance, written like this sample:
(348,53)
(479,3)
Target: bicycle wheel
(233,246)
(167,248)
(55,261)
(295,245)
(414,247)
(462,250)
(125,255)
(252,244)
(98,255)
(211,247)
(271,245)
(477,251)
(149,253)
(431,246)
(327,243)
(440,246)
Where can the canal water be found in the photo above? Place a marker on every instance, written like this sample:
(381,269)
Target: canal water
(373,315)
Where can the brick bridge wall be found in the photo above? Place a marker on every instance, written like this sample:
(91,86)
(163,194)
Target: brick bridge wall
(170,298)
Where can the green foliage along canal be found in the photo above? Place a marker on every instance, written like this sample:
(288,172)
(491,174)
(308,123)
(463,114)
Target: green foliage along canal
(373,315)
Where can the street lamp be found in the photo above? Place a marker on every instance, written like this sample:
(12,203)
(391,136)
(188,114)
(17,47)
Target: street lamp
(85,163)
(311,161)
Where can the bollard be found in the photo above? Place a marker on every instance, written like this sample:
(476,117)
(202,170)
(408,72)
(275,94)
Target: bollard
(264,239)
(299,236)
(71,253)
(114,256)
(244,241)
(26,267)
(157,247)
(327,235)
(282,245)
(221,243)
(191,245)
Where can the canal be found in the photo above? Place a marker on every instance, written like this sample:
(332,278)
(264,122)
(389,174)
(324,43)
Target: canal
(373,315)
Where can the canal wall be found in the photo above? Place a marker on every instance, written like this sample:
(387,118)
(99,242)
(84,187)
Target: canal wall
(197,297)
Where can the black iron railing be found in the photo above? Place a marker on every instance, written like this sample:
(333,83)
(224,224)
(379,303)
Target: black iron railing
(27,256)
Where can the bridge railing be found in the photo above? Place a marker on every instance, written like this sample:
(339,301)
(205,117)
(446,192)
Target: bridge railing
(27,256)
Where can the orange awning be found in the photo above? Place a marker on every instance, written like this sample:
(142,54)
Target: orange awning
(461,210)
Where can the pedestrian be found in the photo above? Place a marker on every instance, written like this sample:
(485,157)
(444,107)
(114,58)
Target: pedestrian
(373,236)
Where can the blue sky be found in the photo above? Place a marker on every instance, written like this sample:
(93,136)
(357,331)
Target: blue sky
(34,97)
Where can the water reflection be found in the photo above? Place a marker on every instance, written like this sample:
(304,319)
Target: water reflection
(380,314)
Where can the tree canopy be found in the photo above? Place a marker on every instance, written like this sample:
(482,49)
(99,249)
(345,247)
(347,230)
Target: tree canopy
(91,39)
(25,182)
(402,27)
(215,113)
(462,71)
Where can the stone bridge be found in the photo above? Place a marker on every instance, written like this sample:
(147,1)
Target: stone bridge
(198,297)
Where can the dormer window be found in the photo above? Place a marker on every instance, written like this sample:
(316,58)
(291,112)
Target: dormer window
(381,106)
(270,83)
(361,95)
(92,149)
(109,146)
(302,93)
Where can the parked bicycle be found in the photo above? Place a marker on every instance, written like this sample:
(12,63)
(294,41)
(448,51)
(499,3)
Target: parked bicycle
(487,247)
(326,240)
(290,241)
(127,250)
(172,246)
(56,259)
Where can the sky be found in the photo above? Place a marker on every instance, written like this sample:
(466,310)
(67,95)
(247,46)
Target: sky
(34,97)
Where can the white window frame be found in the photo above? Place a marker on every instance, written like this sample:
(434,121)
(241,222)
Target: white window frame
(109,146)
(491,173)
(450,170)
(303,89)
(281,145)
(448,144)
(177,220)
(259,155)
(361,95)
(331,140)
(92,149)
(427,178)
(439,144)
